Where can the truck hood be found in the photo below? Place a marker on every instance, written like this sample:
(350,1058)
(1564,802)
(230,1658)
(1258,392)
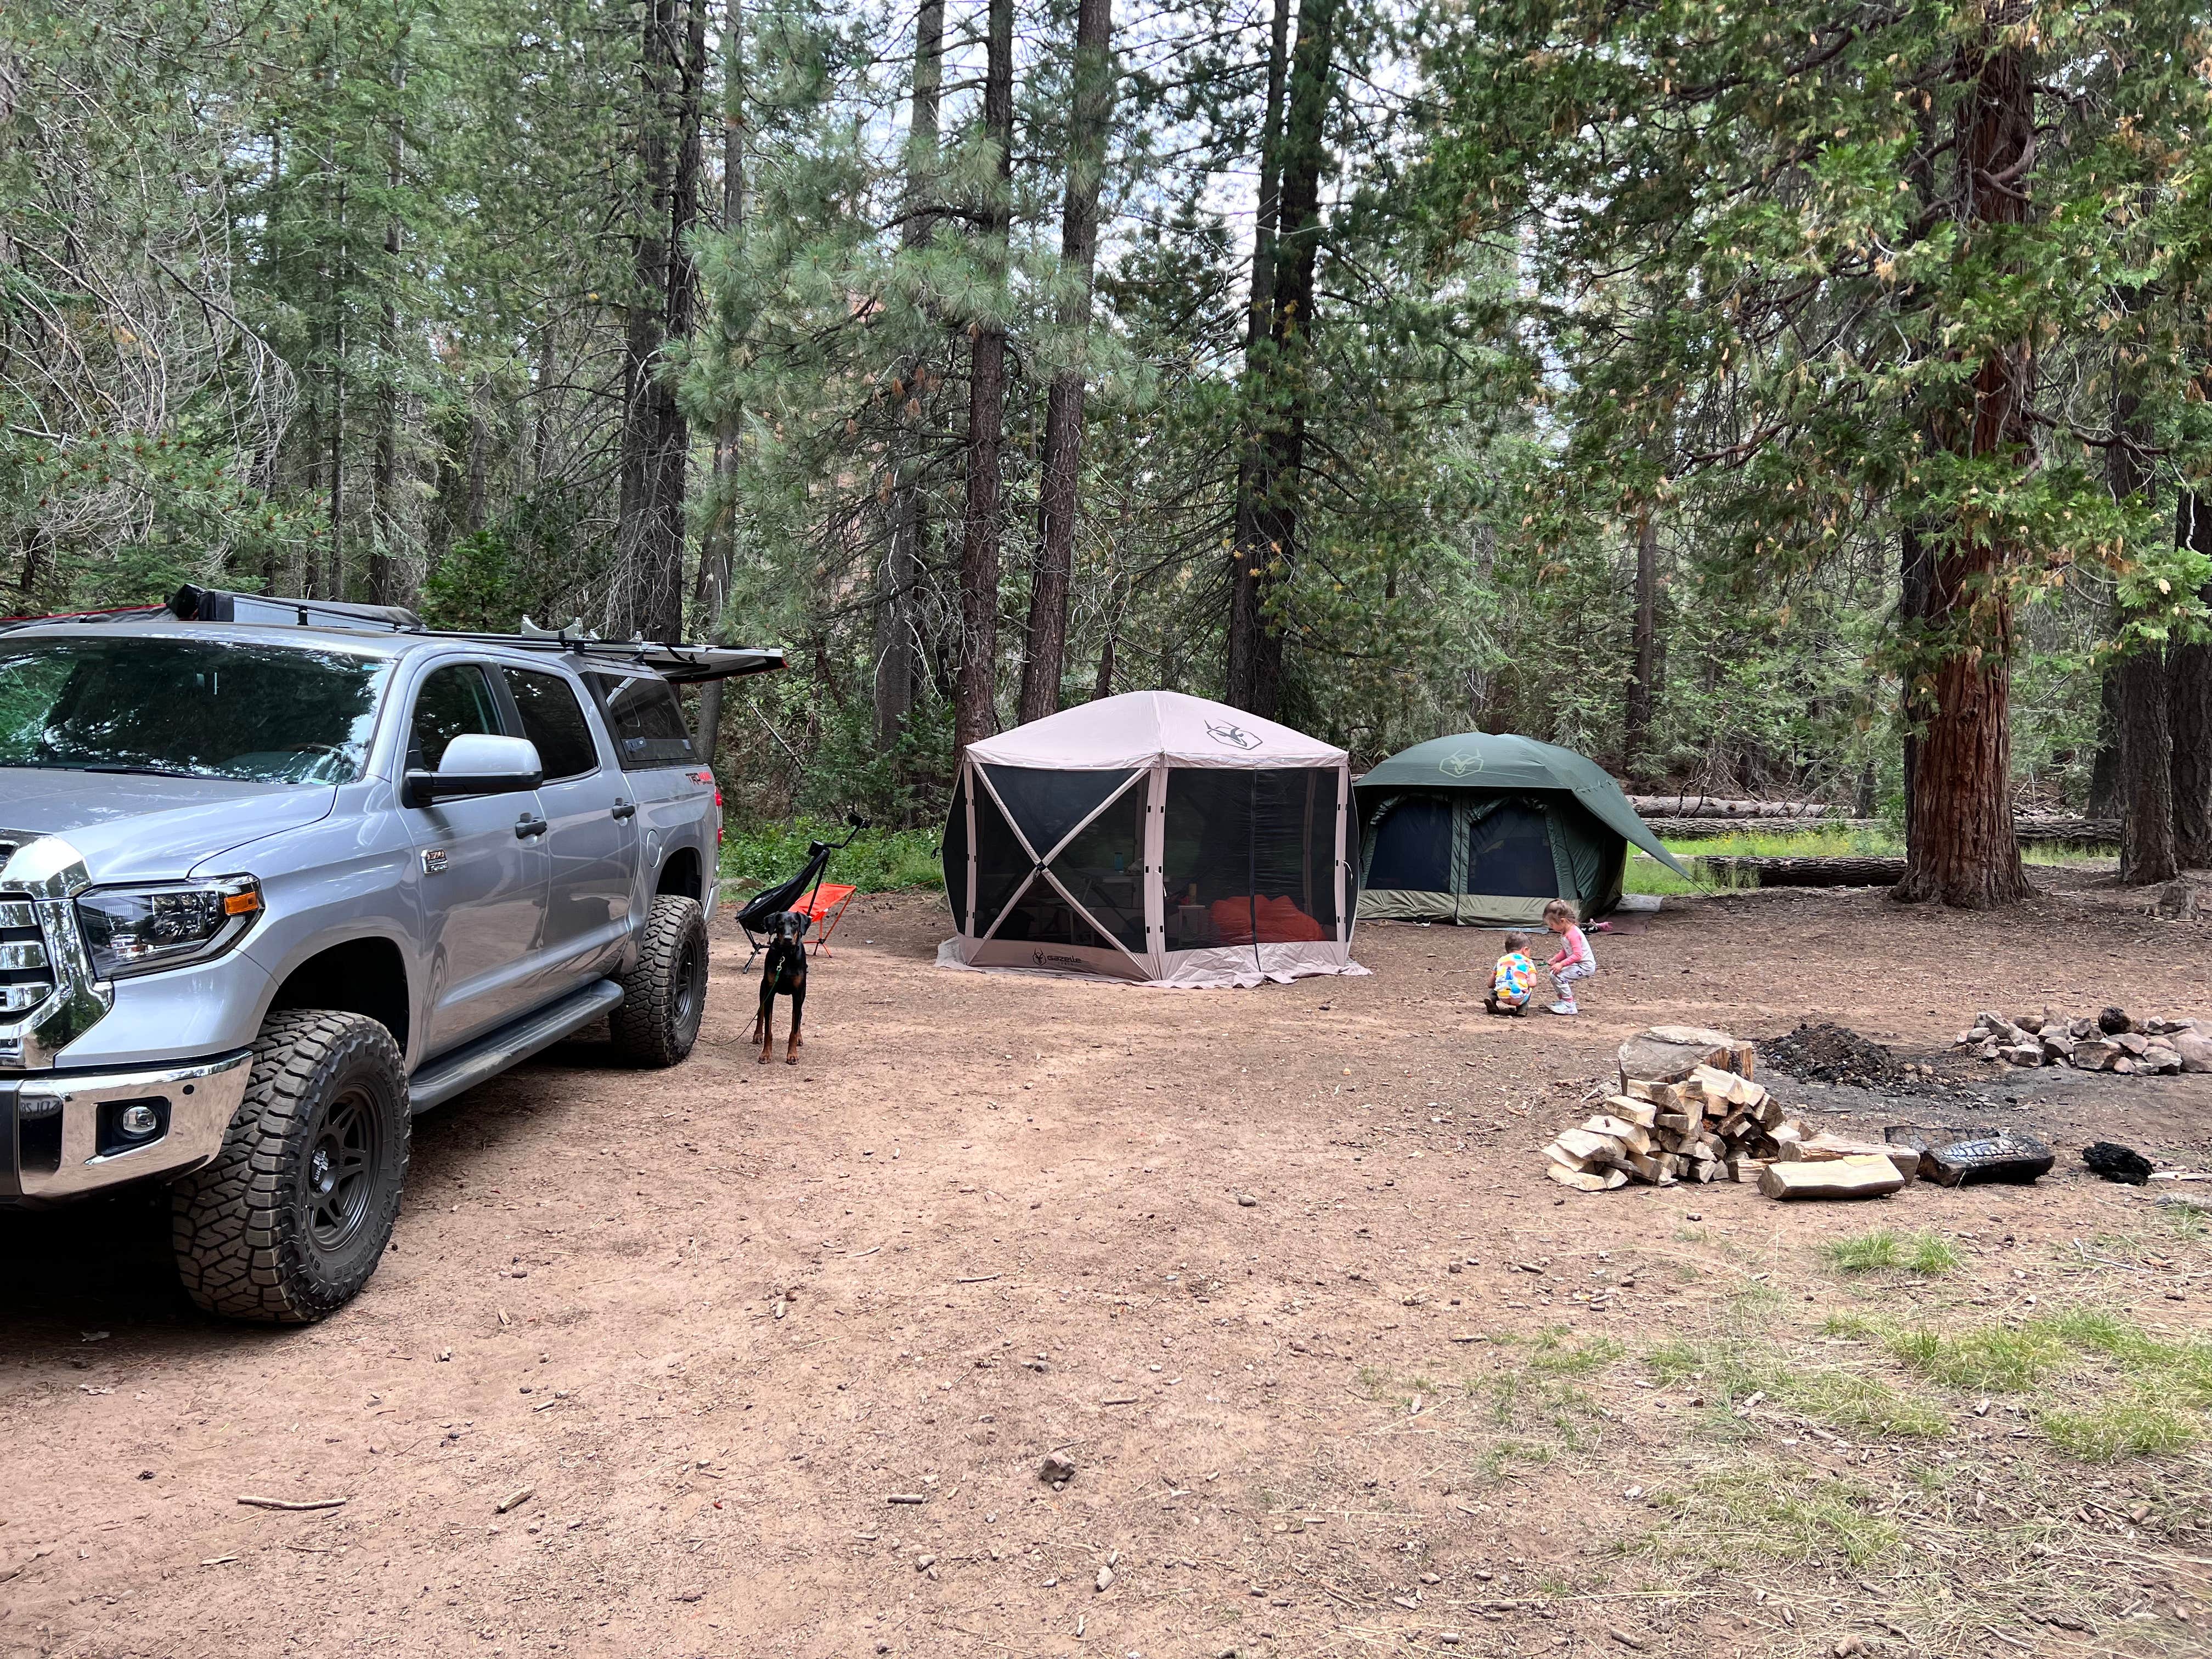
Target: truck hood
(133,827)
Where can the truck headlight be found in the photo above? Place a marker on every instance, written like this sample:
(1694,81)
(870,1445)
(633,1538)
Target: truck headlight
(136,930)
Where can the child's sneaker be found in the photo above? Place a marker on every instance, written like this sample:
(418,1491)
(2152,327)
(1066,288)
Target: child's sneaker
(1565,1008)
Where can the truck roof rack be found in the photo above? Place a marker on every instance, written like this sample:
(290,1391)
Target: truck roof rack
(683,664)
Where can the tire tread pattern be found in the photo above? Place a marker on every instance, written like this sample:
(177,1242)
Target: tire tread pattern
(237,1236)
(644,1025)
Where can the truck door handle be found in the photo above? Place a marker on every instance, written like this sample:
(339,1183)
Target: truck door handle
(625,809)
(526,826)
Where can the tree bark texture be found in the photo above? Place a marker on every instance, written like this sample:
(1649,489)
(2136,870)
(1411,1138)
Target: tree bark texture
(2103,801)
(2189,689)
(1961,848)
(648,596)
(2146,731)
(1265,546)
(1053,571)
(897,651)
(1916,580)
(974,713)
(1643,681)
(2147,853)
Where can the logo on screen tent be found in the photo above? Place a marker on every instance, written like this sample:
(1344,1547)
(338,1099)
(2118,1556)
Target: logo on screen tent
(1234,736)
(1459,762)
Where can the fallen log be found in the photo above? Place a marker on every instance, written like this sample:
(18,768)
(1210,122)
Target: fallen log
(1708,806)
(1801,873)
(2030,831)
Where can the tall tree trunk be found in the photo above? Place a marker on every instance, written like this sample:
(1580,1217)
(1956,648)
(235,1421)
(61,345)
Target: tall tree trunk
(1054,570)
(2103,801)
(385,586)
(1916,583)
(1249,555)
(974,713)
(2147,852)
(2189,688)
(648,597)
(718,545)
(897,652)
(1270,493)
(1962,850)
(2146,734)
(1643,682)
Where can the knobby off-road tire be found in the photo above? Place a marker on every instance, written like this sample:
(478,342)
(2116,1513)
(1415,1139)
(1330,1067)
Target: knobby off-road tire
(664,996)
(288,1222)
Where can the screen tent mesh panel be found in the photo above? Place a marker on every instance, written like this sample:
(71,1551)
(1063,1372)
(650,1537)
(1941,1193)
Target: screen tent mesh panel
(1294,855)
(1002,864)
(1249,857)
(1103,866)
(1045,805)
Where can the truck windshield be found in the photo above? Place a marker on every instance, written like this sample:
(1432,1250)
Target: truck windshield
(191,708)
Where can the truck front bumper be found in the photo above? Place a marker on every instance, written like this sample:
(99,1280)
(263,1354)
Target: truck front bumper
(65,1134)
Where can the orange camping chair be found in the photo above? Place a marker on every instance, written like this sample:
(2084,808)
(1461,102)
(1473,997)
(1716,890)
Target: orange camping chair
(825,908)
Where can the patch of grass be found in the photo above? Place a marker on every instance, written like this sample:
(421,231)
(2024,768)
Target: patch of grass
(1776,1512)
(1994,1359)
(758,855)
(2114,1430)
(1553,1357)
(1861,1402)
(1856,1326)
(1921,1252)
(1822,1393)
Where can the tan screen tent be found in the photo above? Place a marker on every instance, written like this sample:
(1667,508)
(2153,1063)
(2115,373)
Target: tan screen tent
(1154,837)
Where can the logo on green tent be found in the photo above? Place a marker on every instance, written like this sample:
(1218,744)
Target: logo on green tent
(1459,762)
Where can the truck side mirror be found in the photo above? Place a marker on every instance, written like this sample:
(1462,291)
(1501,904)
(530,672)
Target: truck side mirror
(476,763)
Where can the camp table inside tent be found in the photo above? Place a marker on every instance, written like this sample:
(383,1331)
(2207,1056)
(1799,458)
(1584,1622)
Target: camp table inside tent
(1152,836)
(1487,828)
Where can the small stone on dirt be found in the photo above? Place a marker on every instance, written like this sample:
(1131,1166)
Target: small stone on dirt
(1056,1469)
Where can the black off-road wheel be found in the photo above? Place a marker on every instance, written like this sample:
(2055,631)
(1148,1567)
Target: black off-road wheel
(288,1222)
(664,996)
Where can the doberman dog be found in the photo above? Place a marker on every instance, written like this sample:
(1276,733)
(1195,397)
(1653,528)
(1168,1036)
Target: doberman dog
(785,973)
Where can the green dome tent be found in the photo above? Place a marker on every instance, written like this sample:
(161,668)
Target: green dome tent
(1488,827)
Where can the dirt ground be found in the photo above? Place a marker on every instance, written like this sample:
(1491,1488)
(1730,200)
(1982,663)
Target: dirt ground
(1277,1270)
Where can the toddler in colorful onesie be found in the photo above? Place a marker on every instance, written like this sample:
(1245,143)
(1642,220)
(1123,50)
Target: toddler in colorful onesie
(1574,960)
(1514,980)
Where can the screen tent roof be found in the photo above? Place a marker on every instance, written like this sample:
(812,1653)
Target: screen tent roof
(1141,728)
(1499,762)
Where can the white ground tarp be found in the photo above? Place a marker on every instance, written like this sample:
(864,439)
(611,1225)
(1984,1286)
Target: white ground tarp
(1155,838)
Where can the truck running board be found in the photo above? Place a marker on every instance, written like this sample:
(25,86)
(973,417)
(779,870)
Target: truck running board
(488,1056)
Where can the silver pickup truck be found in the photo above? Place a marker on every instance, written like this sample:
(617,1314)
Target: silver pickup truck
(274,876)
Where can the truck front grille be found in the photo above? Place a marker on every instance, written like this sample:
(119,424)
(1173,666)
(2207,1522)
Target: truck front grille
(25,978)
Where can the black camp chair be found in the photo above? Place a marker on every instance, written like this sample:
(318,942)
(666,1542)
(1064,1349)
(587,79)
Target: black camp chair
(758,915)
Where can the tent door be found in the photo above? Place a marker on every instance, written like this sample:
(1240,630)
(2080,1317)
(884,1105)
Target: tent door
(1511,847)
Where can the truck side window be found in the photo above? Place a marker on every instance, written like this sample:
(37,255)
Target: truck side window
(647,721)
(453,701)
(554,721)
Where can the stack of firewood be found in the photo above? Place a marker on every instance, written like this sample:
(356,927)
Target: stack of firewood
(1709,1124)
